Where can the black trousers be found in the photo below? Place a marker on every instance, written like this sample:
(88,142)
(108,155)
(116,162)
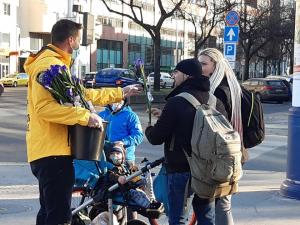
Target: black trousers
(56,179)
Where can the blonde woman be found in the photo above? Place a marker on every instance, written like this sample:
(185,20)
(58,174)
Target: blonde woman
(225,86)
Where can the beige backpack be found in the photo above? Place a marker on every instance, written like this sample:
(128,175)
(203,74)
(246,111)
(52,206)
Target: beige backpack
(215,161)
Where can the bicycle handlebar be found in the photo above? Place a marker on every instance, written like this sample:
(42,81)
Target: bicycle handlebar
(137,173)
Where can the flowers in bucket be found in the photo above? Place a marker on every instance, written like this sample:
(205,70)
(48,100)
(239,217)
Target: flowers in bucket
(66,89)
(139,66)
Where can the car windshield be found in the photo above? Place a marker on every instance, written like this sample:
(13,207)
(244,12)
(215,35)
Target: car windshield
(110,72)
(275,83)
(11,75)
(89,76)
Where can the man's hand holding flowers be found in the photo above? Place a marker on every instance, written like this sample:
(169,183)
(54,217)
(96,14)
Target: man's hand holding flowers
(131,90)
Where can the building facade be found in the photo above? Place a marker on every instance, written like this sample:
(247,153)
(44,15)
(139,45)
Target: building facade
(118,41)
(9,37)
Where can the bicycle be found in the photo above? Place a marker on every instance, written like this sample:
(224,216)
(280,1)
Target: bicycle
(85,197)
(91,202)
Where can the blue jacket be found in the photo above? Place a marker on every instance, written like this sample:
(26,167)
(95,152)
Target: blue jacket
(124,126)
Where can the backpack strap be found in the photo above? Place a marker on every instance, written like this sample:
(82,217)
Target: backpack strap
(190,98)
(212,100)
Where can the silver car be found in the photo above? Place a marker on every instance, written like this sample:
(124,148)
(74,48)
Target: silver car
(165,80)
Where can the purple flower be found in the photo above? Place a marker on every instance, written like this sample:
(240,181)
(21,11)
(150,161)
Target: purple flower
(64,68)
(75,80)
(69,93)
(54,70)
(138,63)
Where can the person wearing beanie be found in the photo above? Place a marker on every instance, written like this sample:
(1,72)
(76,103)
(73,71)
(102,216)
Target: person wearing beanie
(174,129)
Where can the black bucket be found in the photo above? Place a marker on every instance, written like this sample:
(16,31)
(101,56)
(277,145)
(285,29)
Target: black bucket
(87,142)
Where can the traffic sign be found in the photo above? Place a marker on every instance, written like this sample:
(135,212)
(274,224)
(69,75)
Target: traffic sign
(232,18)
(231,34)
(230,51)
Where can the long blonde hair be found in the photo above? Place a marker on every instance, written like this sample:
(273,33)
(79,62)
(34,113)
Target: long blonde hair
(222,68)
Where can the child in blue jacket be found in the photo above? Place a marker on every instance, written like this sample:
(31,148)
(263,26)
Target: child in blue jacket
(125,126)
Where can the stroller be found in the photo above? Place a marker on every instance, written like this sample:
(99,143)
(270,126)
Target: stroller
(92,195)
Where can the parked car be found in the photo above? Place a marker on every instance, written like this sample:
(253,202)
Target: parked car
(287,80)
(115,77)
(165,80)
(14,80)
(1,88)
(268,89)
(89,80)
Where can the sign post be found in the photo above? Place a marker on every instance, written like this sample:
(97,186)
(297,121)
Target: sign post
(231,36)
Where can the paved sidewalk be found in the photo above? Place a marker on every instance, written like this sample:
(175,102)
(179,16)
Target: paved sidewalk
(258,202)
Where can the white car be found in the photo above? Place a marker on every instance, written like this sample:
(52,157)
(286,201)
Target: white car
(165,80)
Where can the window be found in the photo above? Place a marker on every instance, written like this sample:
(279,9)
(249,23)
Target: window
(4,40)
(132,47)
(109,54)
(6,9)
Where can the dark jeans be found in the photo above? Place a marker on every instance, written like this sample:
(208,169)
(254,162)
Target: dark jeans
(204,210)
(179,194)
(56,180)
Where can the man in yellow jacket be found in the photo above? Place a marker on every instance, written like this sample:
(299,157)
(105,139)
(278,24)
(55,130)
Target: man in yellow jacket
(47,129)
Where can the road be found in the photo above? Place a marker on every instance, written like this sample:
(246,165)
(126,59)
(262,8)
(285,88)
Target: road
(18,188)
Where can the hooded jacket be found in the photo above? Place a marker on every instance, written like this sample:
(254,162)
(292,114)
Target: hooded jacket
(177,120)
(47,120)
(124,126)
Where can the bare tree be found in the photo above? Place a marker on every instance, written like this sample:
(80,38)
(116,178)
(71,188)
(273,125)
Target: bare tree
(279,35)
(255,26)
(204,24)
(166,8)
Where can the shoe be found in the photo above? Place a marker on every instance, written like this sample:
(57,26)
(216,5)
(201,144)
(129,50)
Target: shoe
(154,210)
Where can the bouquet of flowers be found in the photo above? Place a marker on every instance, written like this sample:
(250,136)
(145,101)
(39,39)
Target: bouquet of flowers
(139,66)
(66,89)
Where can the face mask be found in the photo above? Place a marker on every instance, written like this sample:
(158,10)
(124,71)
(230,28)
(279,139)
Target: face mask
(115,159)
(114,107)
(75,53)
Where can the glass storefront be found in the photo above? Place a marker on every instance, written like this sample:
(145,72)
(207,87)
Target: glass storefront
(109,54)
(142,47)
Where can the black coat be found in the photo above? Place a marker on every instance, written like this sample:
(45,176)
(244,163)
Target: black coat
(177,119)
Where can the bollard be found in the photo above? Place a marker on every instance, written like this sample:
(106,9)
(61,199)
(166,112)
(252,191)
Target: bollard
(291,186)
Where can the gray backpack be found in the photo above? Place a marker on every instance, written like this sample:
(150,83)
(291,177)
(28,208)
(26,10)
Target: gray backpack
(215,161)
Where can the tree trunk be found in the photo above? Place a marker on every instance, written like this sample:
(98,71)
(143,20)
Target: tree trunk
(157,51)
(279,67)
(291,69)
(246,67)
(265,67)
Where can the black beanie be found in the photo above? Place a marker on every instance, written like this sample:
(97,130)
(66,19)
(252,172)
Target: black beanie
(190,67)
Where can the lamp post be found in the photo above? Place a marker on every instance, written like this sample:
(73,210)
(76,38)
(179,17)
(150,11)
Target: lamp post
(291,185)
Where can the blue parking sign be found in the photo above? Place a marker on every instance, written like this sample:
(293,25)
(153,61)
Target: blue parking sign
(230,51)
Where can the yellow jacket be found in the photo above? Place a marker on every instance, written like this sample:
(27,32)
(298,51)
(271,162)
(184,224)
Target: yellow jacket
(47,120)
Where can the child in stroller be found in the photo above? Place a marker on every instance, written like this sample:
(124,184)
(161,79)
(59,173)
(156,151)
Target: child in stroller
(118,174)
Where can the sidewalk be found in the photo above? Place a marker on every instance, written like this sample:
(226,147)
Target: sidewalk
(258,202)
